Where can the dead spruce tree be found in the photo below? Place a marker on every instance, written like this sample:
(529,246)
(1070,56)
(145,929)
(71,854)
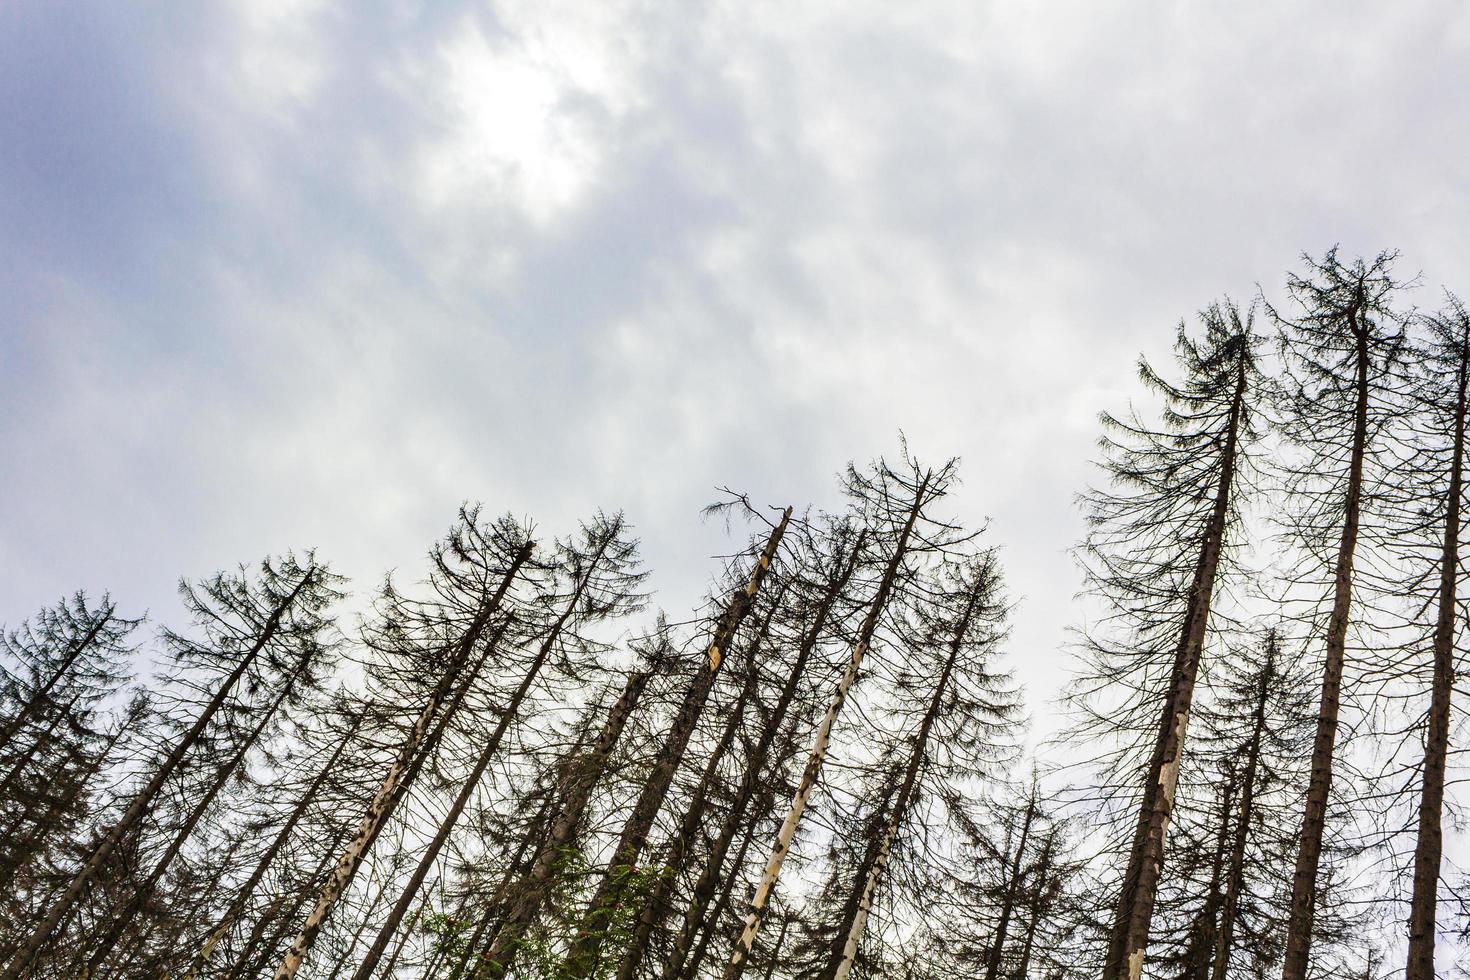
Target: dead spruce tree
(582,957)
(891,504)
(241,619)
(1432,492)
(287,673)
(58,673)
(944,687)
(1340,346)
(600,579)
(1160,541)
(474,570)
(820,575)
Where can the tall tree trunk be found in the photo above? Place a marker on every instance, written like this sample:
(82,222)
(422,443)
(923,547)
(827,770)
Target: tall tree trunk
(1203,955)
(1146,857)
(1427,853)
(579,780)
(145,888)
(872,871)
(472,781)
(1040,905)
(707,927)
(751,783)
(388,792)
(672,863)
(246,891)
(1235,874)
(1319,787)
(582,958)
(22,962)
(762,897)
(530,842)
(1008,901)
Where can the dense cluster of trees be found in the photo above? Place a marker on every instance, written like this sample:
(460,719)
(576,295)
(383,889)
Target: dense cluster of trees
(503,771)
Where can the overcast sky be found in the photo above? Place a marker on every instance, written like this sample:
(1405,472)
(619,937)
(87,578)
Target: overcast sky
(287,274)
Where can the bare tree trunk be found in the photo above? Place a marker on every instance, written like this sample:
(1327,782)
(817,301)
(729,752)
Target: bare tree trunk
(1146,857)
(246,891)
(378,810)
(1040,905)
(21,963)
(1013,885)
(472,781)
(1427,853)
(873,871)
(1235,875)
(580,779)
(761,899)
(656,905)
(751,782)
(582,959)
(1319,787)
(145,888)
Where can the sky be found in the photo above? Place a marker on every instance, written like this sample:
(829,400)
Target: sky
(308,274)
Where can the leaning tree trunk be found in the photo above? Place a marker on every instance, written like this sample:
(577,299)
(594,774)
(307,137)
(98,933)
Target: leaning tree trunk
(1235,873)
(246,891)
(751,783)
(872,871)
(144,889)
(1040,905)
(656,905)
(1146,857)
(582,959)
(21,963)
(1319,787)
(1008,901)
(472,781)
(1427,853)
(579,780)
(762,897)
(388,792)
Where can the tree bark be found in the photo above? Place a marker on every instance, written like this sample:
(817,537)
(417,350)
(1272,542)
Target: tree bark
(579,780)
(1146,857)
(873,871)
(196,813)
(1013,885)
(1235,874)
(656,906)
(246,891)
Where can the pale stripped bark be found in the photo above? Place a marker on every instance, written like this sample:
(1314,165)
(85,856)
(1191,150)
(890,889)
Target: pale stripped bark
(378,809)
(751,785)
(767,884)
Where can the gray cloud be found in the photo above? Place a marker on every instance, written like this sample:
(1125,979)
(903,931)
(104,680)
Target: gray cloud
(309,274)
